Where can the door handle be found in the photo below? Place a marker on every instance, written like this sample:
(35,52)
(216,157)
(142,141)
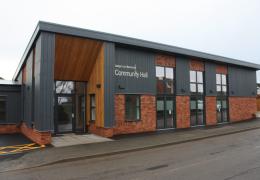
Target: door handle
(72,115)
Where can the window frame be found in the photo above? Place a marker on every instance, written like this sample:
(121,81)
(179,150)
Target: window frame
(5,110)
(92,108)
(165,80)
(221,96)
(197,96)
(137,107)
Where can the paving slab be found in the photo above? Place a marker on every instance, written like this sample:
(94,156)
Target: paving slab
(123,144)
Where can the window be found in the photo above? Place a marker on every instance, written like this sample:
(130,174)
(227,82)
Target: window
(221,105)
(64,87)
(197,98)
(221,84)
(2,108)
(165,80)
(132,107)
(196,82)
(92,107)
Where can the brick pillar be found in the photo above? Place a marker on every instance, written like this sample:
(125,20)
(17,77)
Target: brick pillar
(211,114)
(183,111)
(242,108)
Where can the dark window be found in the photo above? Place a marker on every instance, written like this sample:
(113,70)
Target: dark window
(197,98)
(2,108)
(132,107)
(92,107)
(64,87)
(165,80)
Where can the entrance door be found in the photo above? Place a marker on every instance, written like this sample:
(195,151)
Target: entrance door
(65,114)
(70,107)
(165,113)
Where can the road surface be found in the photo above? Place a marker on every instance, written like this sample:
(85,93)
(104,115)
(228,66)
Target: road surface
(231,157)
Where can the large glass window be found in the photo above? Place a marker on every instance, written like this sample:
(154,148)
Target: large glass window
(197,98)
(221,105)
(165,97)
(165,80)
(2,108)
(132,107)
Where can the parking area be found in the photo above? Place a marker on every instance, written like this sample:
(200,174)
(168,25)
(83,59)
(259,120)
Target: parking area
(13,144)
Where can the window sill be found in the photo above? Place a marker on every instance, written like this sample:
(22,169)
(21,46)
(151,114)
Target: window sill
(132,120)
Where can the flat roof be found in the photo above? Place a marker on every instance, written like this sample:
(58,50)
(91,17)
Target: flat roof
(85,33)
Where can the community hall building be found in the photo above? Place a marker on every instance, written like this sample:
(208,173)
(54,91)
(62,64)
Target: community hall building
(73,80)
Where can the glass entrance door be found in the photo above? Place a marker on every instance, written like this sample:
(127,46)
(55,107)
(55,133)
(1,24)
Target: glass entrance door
(165,113)
(65,114)
(70,106)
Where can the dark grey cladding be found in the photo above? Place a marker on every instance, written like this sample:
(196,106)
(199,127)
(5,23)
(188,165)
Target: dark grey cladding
(182,76)
(109,81)
(13,97)
(44,81)
(210,79)
(242,81)
(134,71)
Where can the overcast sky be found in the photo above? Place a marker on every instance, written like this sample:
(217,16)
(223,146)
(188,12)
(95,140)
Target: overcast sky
(223,27)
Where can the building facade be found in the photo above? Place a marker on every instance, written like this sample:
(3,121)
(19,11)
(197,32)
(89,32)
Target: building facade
(76,80)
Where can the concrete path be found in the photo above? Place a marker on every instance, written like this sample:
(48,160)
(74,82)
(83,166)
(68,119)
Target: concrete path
(126,144)
(75,139)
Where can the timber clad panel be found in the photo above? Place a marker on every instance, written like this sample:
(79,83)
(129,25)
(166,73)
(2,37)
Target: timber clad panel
(97,78)
(75,57)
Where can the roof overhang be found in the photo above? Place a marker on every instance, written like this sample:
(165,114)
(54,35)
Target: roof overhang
(85,33)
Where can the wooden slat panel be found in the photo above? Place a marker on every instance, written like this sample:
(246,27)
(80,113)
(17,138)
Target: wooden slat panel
(97,77)
(75,57)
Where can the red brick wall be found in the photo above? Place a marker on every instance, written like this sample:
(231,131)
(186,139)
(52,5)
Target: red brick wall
(9,129)
(211,114)
(242,108)
(38,137)
(148,116)
(105,132)
(196,65)
(221,69)
(165,60)
(183,111)
(258,103)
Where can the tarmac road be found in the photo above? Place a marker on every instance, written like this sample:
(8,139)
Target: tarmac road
(229,157)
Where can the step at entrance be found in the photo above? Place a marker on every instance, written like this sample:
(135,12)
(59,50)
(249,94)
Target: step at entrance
(73,139)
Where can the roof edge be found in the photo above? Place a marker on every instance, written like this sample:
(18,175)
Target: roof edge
(80,32)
